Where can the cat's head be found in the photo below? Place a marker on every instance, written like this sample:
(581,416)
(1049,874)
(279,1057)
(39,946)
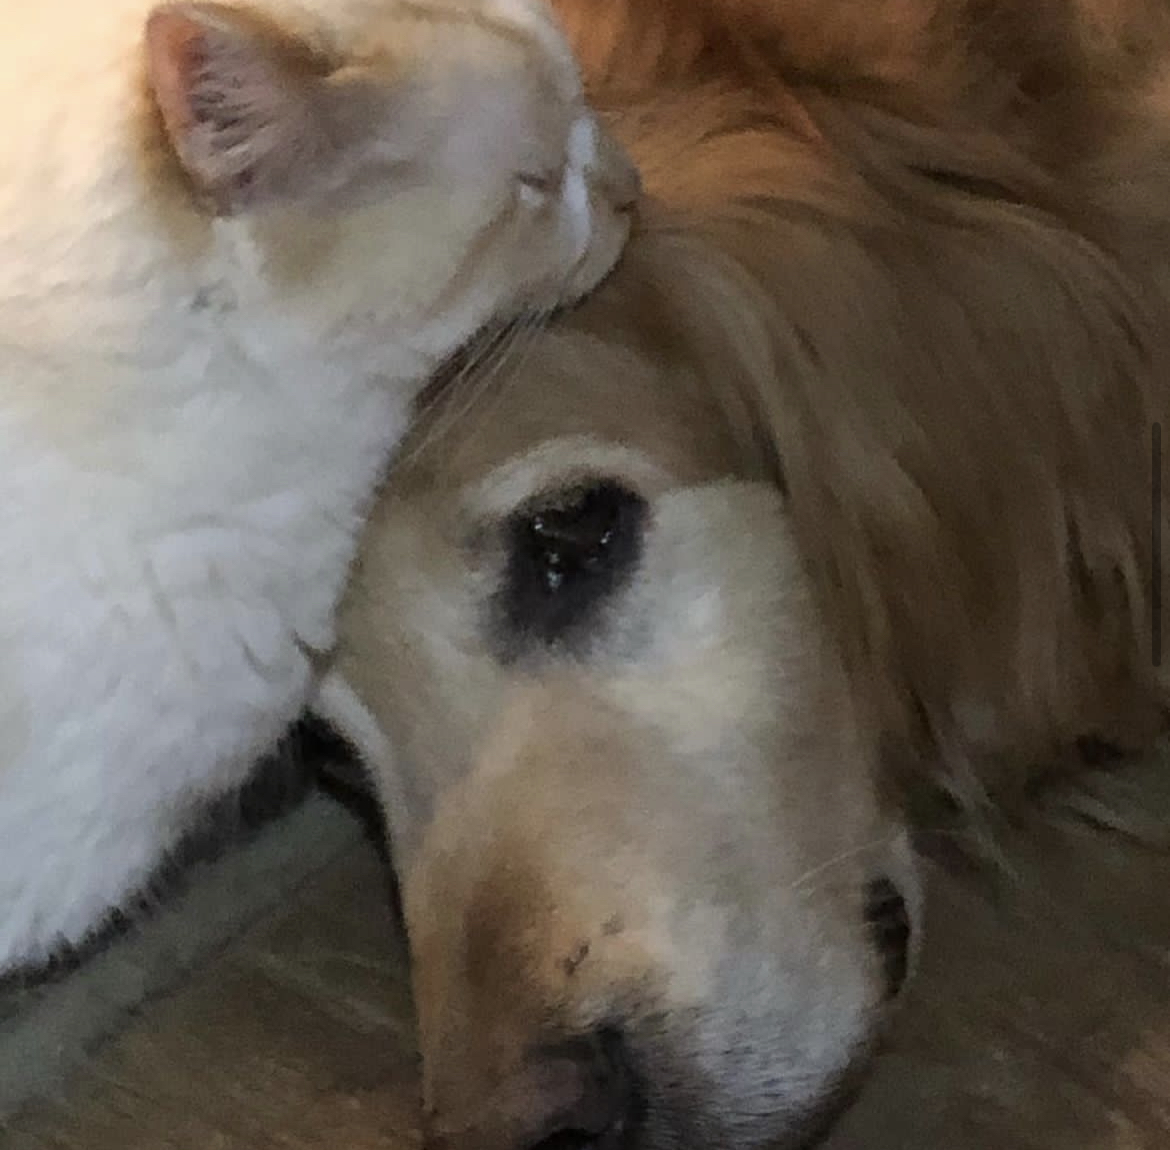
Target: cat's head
(391,172)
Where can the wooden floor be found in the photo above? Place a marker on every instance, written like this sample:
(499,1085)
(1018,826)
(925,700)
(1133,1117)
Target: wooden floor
(1041,1020)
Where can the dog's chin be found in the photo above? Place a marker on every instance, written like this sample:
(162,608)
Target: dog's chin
(665,1114)
(818,1123)
(807,1129)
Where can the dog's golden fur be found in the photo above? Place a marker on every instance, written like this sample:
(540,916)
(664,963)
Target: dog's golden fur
(908,263)
(945,234)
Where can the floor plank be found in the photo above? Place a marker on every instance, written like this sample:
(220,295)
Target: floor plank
(1040,1021)
(298,1035)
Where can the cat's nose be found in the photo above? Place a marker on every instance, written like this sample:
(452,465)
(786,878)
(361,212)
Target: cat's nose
(618,175)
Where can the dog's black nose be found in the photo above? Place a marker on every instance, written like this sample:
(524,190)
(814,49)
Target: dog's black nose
(599,1116)
(888,920)
(576,1094)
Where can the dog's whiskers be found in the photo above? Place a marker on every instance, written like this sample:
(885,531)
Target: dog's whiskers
(820,869)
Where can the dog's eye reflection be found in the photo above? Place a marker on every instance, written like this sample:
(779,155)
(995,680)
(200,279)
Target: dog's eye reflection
(562,541)
(565,556)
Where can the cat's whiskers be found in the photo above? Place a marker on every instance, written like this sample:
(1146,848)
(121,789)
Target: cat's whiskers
(434,413)
(504,348)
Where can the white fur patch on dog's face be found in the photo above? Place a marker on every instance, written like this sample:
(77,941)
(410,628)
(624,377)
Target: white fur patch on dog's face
(620,733)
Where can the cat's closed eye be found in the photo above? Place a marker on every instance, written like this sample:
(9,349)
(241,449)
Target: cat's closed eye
(538,187)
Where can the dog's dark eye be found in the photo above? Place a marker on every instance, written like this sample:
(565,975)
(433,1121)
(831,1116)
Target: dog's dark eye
(565,557)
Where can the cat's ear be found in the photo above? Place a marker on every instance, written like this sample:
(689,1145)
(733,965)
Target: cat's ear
(244,106)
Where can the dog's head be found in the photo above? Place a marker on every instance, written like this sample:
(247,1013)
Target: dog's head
(653,897)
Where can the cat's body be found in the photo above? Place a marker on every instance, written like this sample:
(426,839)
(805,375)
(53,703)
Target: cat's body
(230,253)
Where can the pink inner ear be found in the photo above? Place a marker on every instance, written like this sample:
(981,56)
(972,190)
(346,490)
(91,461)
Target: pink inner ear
(174,52)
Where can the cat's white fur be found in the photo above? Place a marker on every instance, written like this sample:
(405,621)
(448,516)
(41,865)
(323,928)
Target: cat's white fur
(197,395)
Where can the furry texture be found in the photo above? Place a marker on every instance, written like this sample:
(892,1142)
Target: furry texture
(961,354)
(233,243)
(882,365)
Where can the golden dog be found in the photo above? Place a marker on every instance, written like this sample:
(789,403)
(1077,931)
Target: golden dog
(842,483)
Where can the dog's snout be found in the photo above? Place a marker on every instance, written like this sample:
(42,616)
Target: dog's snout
(572,1095)
(888,920)
(597,1111)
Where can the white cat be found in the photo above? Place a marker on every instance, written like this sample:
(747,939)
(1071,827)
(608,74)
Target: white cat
(233,244)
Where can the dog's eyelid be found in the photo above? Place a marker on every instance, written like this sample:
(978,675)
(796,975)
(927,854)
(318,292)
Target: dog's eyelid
(567,554)
(569,493)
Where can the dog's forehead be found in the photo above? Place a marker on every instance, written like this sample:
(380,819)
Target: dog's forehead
(556,465)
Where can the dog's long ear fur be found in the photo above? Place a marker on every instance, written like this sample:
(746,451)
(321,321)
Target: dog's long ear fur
(960,412)
(947,343)
(961,385)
